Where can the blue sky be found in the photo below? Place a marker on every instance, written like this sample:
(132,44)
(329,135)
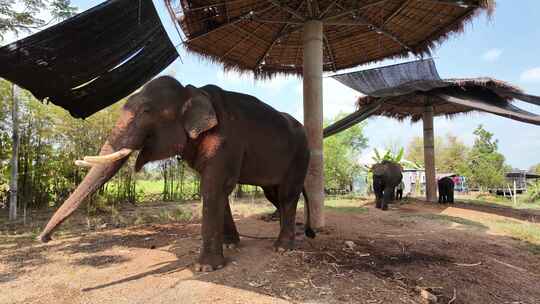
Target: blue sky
(507,47)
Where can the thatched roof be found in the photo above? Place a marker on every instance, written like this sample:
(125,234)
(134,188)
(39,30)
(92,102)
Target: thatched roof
(456,96)
(265,37)
(449,97)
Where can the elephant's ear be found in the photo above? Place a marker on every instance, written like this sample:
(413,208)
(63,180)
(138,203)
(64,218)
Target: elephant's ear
(198,113)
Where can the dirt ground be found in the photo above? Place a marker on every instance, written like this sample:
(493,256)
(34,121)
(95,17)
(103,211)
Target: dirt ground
(362,256)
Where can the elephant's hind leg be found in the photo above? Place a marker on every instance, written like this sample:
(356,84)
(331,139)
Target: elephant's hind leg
(271,193)
(231,237)
(288,197)
(288,194)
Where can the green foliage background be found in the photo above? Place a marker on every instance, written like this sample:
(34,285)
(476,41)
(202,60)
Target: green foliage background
(341,152)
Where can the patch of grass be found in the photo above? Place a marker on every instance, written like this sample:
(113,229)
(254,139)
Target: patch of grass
(445,219)
(346,205)
(485,199)
(523,231)
(150,187)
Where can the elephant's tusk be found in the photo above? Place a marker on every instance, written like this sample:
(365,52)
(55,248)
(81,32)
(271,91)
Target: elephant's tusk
(82,163)
(104,159)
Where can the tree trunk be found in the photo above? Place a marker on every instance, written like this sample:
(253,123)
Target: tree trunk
(14,158)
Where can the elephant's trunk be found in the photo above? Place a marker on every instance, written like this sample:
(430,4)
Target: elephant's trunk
(98,175)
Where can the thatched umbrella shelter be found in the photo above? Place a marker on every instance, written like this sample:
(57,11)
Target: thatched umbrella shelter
(427,96)
(307,37)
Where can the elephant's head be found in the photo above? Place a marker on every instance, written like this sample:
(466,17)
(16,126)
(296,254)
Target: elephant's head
(158,121)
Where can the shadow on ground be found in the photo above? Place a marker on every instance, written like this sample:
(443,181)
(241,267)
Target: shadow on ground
(361,257)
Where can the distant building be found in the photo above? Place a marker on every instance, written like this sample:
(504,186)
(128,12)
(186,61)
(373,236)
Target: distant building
(521,178)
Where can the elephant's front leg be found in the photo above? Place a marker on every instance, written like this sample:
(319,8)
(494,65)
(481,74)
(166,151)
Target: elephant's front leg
(231,237)
(211,256)
(387,197)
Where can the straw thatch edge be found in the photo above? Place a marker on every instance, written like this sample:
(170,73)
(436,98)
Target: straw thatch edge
(501,88)
(423,49)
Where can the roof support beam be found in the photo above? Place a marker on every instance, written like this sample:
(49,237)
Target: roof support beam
(272,21)
(327,9)
(234,21)
(286,8)
(396,12)
(282,31)
(316,8)
(330,53)
(351,11)
(364,22)
(460,3)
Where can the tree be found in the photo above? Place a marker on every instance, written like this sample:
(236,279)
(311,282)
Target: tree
(18,16)
(535,169)
(484,166)
(450,153)
(341,153)
(396,156)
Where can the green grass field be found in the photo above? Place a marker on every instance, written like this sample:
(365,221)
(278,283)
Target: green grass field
(489,200)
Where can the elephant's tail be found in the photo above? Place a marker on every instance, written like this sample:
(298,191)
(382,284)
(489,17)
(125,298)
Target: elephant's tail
(307,230)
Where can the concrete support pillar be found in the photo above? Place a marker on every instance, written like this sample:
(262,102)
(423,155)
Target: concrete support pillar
(429,154)
(313,117)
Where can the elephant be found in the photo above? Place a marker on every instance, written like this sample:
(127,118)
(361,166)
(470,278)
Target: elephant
(386,176)
(446,190)
(229,138)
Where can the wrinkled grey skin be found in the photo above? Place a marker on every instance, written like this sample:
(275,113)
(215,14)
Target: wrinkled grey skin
(227,137)
(446,190)
(386,176)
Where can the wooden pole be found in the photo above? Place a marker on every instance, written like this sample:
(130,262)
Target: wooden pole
(313,117)
(429,154)
(515,193)
(14,156)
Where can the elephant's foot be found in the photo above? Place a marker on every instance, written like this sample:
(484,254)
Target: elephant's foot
(284,246)
(209,263)
(231,245)
(378,205)
(231,241)
(384,207)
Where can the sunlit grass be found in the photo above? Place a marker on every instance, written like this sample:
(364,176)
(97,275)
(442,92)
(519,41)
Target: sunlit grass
(490,200)
(443,218)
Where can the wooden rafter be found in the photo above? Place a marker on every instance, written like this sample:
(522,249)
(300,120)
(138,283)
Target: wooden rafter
(327,9)
(287,9)
(282,31)
(460,3)
(351,11)
(397,11)
(330,53)
(231,22)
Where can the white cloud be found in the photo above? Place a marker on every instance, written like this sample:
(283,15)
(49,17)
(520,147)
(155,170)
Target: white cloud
(492,55)
(531,75)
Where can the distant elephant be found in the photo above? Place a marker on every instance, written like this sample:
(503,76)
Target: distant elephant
(386,176)
(446,190)
(227,137)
